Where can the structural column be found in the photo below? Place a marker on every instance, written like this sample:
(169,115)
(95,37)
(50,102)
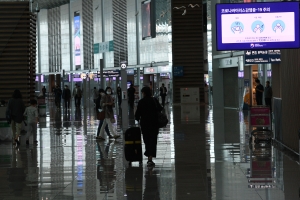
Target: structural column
(187,47)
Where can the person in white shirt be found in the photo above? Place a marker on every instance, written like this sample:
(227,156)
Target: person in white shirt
(32,119)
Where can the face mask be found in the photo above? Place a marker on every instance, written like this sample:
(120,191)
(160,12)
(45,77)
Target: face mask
(108,92)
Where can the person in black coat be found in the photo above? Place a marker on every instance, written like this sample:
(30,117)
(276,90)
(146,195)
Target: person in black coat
(131,92)
(16,108)
(67,97)
(146,115)
(57,94)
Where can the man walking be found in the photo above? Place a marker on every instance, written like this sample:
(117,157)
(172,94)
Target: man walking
(44,91)
(57,93)
(67,97)
(259,92)
(77,94)
(163,94)
(131,92)
(268,95)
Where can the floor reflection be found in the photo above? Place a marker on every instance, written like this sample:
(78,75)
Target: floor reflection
(199,157)
(242,170)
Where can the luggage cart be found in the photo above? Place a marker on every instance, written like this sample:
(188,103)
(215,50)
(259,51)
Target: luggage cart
(261,120)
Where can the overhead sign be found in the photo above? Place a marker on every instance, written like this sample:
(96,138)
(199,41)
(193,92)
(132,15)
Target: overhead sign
(178,71)
(262,56)
(108,74)
(130,71)
(267,25)
(111,73)
(163,69)
(96,48)
(123,66)
(229,62)
(104,47)
(150,70)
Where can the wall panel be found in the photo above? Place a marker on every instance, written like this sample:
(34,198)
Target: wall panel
(17,50)
(290,82)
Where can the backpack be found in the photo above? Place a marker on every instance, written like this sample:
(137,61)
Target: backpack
(78,92)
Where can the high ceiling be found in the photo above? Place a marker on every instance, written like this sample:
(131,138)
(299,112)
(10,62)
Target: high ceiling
(45,4)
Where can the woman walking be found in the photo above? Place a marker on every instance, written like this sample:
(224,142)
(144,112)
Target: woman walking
(146,114)
(98,100)
(107,104)
(16,109)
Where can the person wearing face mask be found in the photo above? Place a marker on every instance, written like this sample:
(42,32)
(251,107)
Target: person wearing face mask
(107,104)
(98,106)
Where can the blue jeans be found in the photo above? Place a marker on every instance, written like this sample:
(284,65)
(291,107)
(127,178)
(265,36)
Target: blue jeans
(99,127)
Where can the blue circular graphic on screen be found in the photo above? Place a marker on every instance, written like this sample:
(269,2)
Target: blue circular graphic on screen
(278,26)
(237,27)
(258,26)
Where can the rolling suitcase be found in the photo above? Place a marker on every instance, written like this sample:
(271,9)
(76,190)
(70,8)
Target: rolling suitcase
(133,145)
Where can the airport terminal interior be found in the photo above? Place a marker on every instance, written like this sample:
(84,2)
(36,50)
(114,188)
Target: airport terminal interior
(217,67)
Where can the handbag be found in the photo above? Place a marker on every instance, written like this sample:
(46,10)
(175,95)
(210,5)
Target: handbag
(112,120)
(162,119)
(101,115)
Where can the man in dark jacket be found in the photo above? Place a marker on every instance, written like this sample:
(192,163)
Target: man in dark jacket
(15,109)
(259,92)
(131,92)
(163,93)
(44,91)
(146,114)
(268,95)
(67,97)
(57,94)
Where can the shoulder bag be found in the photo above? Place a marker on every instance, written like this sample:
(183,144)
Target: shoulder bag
(100,114)
(162,119)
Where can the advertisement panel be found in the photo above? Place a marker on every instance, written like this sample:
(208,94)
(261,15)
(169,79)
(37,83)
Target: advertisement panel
(77,40)
(266,25)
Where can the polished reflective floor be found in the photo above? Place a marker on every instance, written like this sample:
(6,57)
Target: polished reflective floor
(198,157)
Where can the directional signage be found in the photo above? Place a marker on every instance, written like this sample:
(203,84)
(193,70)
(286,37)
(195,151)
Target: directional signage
(262,56)
(108,74)
(123,64)
(96,48)
(178,71)
(104,47)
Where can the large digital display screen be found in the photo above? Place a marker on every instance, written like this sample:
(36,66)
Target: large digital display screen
(77,40)
(270,25)
(148,19)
